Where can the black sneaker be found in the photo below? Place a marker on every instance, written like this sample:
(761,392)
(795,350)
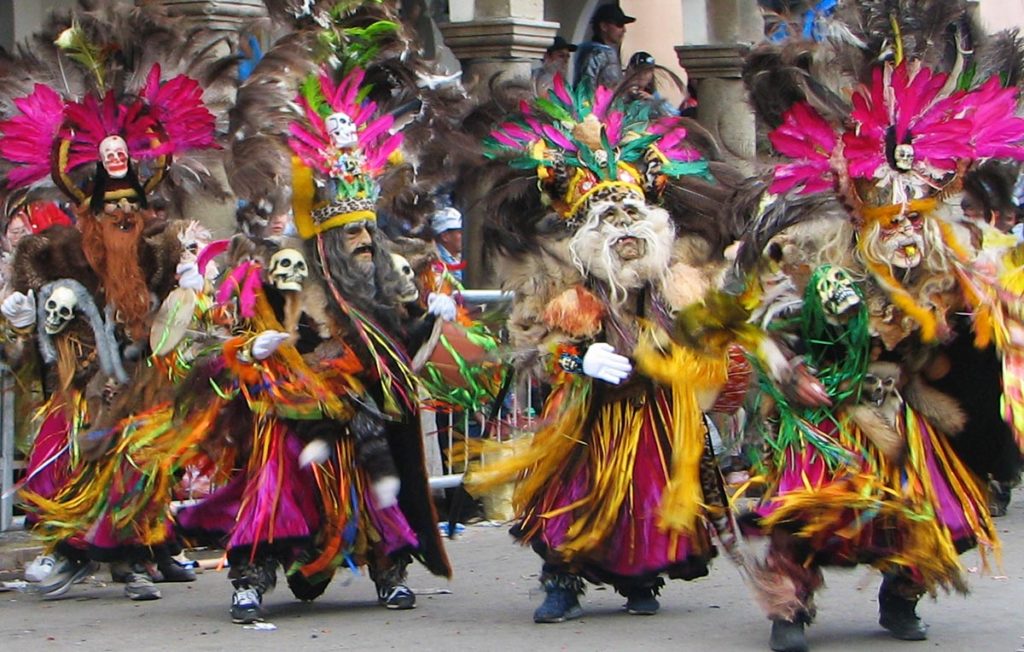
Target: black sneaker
(169,570)
(788,636)
(245,606)
(398,596)
(642,601)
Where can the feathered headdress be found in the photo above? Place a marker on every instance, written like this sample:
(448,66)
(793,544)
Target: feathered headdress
(923,107)
(588,146)
(911,134)
(924,104)
(108,130)
(346,145)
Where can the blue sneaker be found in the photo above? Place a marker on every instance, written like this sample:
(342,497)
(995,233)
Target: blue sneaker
(245,606)
(562,602)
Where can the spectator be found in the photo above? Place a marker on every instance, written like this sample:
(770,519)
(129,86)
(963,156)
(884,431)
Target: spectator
(555,62)
(644,88)
(989,197)
(278,226)
(32,218)
(598,61)
(447,226)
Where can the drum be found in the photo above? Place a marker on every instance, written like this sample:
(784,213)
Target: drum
(737,384)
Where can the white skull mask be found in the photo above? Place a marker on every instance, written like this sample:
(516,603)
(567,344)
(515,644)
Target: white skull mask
(288,270)
(409,291)
(60,309)
(341,129)
(880,383)
(114,156)
(903,157)
(836,292)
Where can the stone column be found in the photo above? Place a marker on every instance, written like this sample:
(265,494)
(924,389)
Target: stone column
(496,36)
(229,17)
(723,31)
(490,37)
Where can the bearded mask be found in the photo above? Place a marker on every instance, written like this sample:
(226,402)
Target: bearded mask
(627,243)
(111,244)
(900,242)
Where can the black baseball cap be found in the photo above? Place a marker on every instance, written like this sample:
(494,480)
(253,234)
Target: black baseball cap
(561,44)
(641,59)
(611,13)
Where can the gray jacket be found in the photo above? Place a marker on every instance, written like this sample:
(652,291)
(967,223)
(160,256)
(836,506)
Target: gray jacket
(599,63)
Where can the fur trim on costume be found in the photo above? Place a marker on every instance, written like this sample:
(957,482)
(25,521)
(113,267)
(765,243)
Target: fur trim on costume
(575,311)
(879,429)
(106,344)
(942,411)
(685,285)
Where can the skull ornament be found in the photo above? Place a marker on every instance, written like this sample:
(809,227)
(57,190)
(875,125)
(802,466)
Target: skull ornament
(341,129)
(114,156)
(408,291)
(60,309)
(880,383)
(903,157)
(836,292)
(288,270)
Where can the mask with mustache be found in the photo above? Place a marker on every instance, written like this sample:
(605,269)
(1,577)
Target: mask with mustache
(627,244)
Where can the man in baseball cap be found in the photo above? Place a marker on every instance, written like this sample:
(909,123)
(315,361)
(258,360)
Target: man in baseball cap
(446,224)
(598,61)
(555,62)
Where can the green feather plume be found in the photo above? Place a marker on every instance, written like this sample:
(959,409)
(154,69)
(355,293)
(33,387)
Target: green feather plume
(76,45)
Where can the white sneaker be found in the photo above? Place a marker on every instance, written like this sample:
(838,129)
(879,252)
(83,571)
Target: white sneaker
(40,568)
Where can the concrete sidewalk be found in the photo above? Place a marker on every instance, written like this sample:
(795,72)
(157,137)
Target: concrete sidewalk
(17,548)
(488,606)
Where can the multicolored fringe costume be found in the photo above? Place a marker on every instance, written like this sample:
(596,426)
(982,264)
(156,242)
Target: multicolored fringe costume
(858,231)
(618,483)
(106,139)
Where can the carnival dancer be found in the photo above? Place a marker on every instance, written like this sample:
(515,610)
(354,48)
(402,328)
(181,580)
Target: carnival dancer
(106,149)
(618,486)
(859,224)
(362,467)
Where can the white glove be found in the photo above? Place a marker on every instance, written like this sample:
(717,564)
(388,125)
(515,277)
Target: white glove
(20,309)
(316,451)
(602,362)
(266,343)
(189,277)
(441,305)
(385,491)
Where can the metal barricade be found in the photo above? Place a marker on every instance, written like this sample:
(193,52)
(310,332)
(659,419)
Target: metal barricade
(8,463)
(496,428)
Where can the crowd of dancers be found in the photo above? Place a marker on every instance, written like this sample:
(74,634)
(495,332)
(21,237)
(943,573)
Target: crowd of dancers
(847,321)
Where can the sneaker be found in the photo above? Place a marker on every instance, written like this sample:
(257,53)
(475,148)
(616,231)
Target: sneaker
(641,601)
(120,572)
(398,596)
(170,570)
(560,605)
(788,636)
(245,606)
(40,568)
(65,573)
(140,587)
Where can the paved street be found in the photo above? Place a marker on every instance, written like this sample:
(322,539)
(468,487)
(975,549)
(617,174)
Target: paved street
(489,608)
